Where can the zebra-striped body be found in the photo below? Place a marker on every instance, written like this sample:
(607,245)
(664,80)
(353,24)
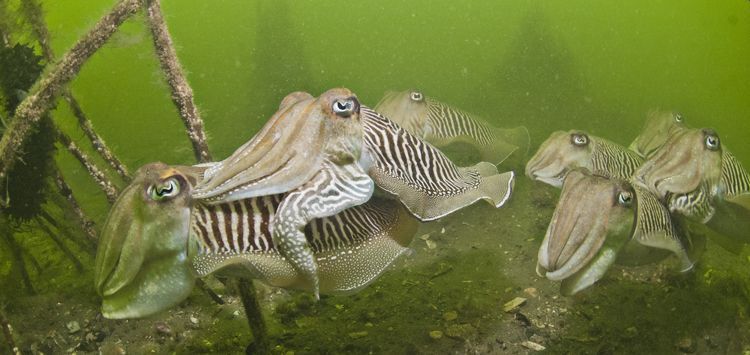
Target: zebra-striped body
(422,177)
(245,226)
(419,165)
(734,178)
(442,125)
(447,122)
(613,160)
(350,248)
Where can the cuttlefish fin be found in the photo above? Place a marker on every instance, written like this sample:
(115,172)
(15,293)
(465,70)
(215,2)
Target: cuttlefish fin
(382,232)
(283,155)
(423,178)
(334,189)
(654,227)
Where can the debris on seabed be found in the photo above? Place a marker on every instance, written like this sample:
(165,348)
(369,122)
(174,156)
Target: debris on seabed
(450,315)
(73,327)
(533,346)
(357,335)
(531,291)
(436,334)
(514,304)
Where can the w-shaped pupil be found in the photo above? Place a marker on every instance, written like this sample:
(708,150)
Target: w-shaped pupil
(165,190)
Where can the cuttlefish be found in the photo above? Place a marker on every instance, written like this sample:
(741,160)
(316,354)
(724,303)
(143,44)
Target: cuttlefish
(566,151)
(688,175)
(442,125)
(660,125)
(327,154)
(599,221)
(158,240)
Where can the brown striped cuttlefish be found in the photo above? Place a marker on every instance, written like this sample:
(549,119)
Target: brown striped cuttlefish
(316,158)
(602,221)
(158,240)
(697,179)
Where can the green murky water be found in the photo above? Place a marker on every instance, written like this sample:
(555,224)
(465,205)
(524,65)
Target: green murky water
(592,65)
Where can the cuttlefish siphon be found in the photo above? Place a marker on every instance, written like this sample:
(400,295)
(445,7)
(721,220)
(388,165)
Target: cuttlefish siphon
(599,221)
(442,125)
(327,154)
(687,172)
(566,151)
(158,240)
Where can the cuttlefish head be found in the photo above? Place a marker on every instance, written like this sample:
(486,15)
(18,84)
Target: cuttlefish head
(560,153)
(142,263)
(409,109)
(688,159)
(657,129)
(592,221)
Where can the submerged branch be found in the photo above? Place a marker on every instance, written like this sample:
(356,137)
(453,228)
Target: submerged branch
(16,253)
(33,11)
(96,141)
(182,94)
(107,187)
(42,96)
(86,224)
(254,317)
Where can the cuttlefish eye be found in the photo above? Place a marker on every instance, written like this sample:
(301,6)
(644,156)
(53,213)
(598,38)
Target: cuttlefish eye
(712,140)
(625,198)
(345,107)
(678,117)
(579,139)
(164,190)
(416,96)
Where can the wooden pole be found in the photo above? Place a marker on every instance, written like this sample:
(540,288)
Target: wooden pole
(182,94)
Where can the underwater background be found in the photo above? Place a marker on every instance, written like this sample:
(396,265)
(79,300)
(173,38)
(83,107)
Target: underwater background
(598,66)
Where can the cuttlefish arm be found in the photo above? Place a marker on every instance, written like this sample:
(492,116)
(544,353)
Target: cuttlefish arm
(690,160)
(351,248)
(656,130)
(317,157)
(286,153)
(593,220)
(422,177)
(442,125)
(143,259)
(565,151)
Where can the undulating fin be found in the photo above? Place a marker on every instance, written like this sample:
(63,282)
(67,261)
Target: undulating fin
(654,227)
(423,178)
(351,248)
(735,180)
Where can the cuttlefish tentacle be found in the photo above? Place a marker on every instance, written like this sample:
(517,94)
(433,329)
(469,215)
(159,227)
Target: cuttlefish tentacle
(334,189)
(442,125)
(422,177)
